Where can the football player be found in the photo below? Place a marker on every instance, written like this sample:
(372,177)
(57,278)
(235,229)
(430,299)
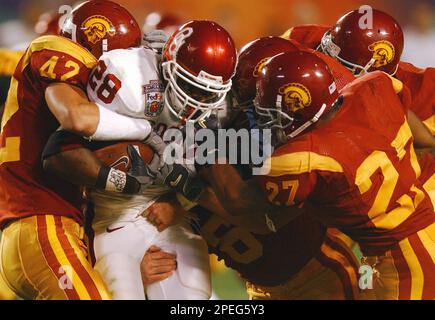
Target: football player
(42,249)
(351,154)
(367,48)
(193,85)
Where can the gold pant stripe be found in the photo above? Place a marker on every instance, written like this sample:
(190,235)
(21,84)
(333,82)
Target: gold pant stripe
(41,254)
(97,286)
(417,275)
(63,260)
(429,186)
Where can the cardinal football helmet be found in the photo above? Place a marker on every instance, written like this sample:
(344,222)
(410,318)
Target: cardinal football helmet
(101,26)
(198,63)
(252,58)
(363,48)
(294,89)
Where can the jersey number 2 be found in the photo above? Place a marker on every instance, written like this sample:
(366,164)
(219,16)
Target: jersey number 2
(378,160)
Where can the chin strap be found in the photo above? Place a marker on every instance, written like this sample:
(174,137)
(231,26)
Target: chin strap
(363,70)
(308,123)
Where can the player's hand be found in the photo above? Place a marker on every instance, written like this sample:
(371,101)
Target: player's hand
(155,39)
(145,174)
(155,142)
(181,179)
(157,265)
(164,214)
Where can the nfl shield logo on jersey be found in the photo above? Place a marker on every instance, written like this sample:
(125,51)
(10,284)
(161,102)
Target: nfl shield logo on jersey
(153,98)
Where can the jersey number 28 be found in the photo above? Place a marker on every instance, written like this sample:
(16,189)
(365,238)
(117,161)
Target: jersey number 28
(105,85)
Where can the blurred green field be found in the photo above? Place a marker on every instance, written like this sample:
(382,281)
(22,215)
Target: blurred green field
(227,285)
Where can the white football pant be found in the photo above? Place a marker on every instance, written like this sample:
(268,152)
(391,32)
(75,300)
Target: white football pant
(119,250)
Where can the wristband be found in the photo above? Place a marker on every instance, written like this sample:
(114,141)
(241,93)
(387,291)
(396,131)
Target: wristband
(113,180)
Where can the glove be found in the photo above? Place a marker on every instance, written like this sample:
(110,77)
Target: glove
(143,173)
(155,39)
(175,176)
(210,122)
(182,180)
(155,142)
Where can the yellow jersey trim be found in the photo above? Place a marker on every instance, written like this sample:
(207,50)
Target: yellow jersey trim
(60,44)
(397,84)
(429,186)
(286,35)
(301,162)
(430,123)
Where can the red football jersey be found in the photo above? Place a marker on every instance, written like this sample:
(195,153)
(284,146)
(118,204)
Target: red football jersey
(360,169)
(309,35)
(25,189)
(267,260)
(421,83)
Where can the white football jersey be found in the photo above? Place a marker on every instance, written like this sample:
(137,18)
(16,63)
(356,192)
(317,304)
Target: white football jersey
(128,82)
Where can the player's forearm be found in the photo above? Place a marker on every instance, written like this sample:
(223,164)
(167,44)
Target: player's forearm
(72,109)
(422,136)
(81,168)
(240,199)
(227,185)
(255,221)
(67,156)
(76,114)
(78,166)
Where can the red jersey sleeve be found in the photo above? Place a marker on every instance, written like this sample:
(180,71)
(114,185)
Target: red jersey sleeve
(421,83)
(309,35)
(291,179)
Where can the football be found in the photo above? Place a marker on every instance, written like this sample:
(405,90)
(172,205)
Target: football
(116,155)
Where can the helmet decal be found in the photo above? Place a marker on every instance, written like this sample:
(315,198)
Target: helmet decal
(383,53)
(259,66)
(296,96)
(178,41)
(97,28)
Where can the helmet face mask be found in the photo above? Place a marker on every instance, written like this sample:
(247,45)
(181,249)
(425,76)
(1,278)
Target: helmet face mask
(275,118)
(198,80)
(187,96)
(327,46)
(272,117)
